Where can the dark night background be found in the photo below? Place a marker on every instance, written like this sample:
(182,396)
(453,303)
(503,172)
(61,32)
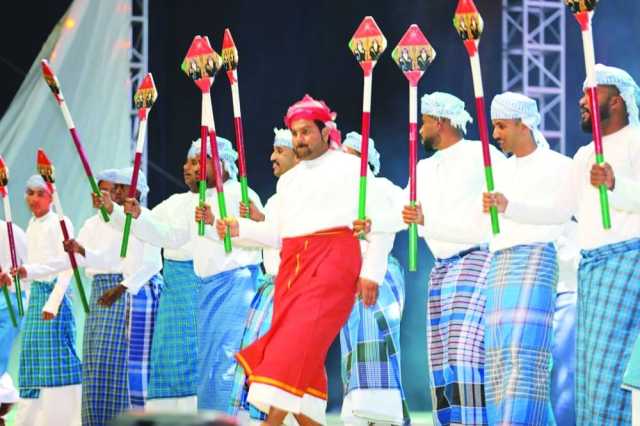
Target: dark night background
(289,48)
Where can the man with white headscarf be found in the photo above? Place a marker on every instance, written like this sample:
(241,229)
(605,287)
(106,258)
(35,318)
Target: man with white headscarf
(522,279)
(115,346)
(259,319)
(50,372)
(227,282)
(457,233)
(370,340)
(608,291)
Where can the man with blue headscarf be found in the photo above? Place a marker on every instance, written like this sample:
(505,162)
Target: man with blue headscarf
(227,282)
(609,295)
(370,340)
(260,314)
(523,276)
(457,233)
(116,345)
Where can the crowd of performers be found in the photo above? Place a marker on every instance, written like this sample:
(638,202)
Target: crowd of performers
(195,328)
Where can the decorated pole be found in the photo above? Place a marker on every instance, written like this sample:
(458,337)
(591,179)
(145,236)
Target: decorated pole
(144,99)
(46,170)
(54,85)
(469,24)
(201,64)
(4,193)
(367,44)
(230,61)
(583,12)
(413,54)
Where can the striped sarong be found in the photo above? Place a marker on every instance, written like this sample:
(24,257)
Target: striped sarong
(144,309)
(455,337)
(608,326)
(224,301)
(105,385)
(521,296)
(8,332)
(563,373)
(257,324)
(370,349)
(48,356)
(174,353)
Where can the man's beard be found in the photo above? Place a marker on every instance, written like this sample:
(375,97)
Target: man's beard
(587,125)
(427,143)
(302,152)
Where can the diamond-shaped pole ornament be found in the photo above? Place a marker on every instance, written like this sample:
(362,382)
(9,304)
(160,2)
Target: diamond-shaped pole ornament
(4,177)
(581,6)
(367,44)
(229,52)
(201,63)
(47,171)
(413,54)
(147,94)
(469,24)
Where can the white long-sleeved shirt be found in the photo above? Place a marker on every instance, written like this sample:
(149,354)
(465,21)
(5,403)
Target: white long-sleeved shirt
(622,152)
(450,186)
(102,254)
(317,195)
(270,255)
(20,239)
(46,258)
(535,179)
(568,258)
(175,228)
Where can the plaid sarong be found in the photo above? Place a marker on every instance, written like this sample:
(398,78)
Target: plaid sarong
(174,354)
(608,326)
(224,301)
(521,297)
(257,324)
(8,332)
(144,308)
(105,388)
(370,340)
(48,356)
(455,337)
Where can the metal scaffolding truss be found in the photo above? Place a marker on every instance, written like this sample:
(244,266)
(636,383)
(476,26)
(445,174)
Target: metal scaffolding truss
(138,62)
(533,60)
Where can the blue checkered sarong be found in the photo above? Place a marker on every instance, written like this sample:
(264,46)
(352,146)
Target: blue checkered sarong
(608,326)
(224,301)
(370,340)
(455,337)
(105,388)
(144,308)
(521,295)
(8,332)
(48,356)
(257,324)
(174,355)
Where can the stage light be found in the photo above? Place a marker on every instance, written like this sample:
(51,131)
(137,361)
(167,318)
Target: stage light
(69,23)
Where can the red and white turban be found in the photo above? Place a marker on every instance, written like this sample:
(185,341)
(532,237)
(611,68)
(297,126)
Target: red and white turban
(310,109)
